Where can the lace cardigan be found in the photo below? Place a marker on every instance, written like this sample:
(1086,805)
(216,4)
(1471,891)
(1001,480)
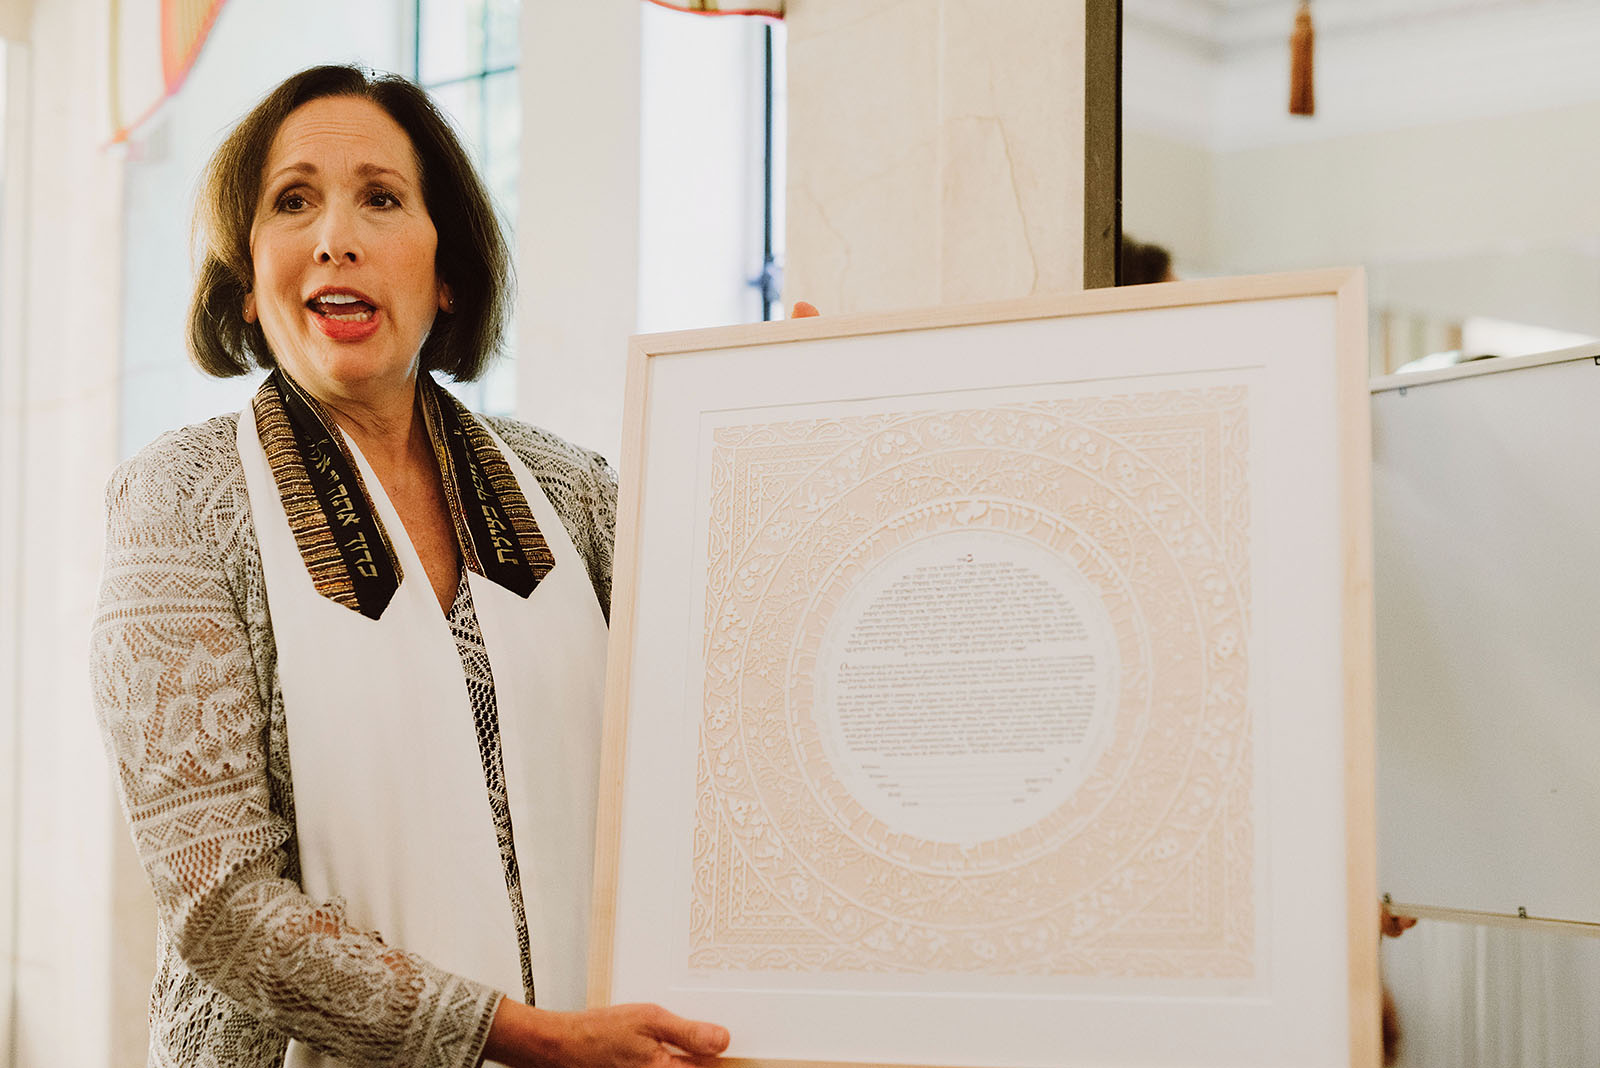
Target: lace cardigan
(184,673)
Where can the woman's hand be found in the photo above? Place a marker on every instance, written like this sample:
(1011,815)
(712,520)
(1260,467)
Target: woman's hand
(1394,926)
(621,1036)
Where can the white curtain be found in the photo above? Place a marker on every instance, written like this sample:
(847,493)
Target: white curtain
(1471,996)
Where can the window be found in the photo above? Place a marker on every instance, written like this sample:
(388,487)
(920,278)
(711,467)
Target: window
(774,137)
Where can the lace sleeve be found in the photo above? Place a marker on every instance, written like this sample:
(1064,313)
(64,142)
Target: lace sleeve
(175,693)
(583,488)
(602,515)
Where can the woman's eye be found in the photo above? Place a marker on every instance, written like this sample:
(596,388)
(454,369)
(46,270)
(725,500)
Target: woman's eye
(291,202)
(382,198)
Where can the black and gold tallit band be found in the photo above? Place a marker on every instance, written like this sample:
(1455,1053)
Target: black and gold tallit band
(340,537)
(498,535)
(344,546)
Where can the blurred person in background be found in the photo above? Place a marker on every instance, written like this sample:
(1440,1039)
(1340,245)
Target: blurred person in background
(1140,264)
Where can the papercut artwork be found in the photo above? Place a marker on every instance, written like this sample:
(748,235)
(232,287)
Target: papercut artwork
(975,692)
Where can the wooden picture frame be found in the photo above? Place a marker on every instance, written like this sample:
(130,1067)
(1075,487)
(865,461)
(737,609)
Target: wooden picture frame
(1139,516)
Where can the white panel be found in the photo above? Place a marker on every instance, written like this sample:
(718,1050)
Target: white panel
(1487,500)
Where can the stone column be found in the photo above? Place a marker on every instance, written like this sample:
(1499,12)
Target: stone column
(60,319)
(937,150)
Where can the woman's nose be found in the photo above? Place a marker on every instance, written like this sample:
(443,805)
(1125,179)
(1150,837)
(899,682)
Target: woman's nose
(338,240)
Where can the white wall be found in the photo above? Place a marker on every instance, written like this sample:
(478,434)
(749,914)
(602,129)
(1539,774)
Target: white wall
(1403,64)
(1168,196)
(1452,153)
(1501,183)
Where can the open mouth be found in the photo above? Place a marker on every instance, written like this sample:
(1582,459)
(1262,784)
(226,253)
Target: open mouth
(342,307)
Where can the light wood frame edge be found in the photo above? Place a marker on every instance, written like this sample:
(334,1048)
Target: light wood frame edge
(1496,919)
(1478,368)
(613,739)
(1359,674)
(1346,285)
(1326,282)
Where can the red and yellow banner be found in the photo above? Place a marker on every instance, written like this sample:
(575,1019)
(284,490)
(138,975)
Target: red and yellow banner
(184,25)
(154,44)
(772,9)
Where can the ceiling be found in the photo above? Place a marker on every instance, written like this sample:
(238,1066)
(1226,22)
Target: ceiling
(1216,72)
(1228,25)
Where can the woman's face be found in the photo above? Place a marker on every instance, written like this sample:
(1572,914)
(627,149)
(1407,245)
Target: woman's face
(343,252)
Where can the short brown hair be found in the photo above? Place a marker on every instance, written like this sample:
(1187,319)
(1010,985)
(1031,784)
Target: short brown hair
(472,255)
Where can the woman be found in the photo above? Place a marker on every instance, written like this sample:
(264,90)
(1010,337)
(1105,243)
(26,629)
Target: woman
(349,646)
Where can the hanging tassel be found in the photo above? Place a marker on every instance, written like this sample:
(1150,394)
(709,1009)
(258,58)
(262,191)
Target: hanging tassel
(1302,96)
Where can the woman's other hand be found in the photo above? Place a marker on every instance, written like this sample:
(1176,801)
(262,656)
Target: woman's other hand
(1394,926)
(620,1036)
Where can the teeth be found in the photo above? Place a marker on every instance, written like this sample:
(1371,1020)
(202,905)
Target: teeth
(338,298)
(354,317)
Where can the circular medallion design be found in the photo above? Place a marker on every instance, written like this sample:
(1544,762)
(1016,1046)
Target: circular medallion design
(965,686)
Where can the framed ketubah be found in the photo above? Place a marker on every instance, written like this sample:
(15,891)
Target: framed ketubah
(992,686)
